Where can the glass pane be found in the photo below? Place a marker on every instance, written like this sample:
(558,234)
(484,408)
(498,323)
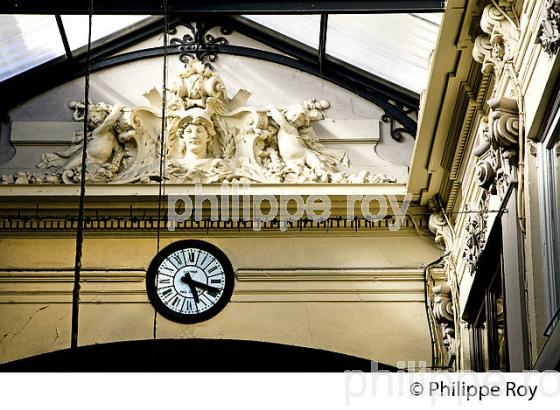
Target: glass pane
(303,28)
(76,27)
(395,47)
(27,41)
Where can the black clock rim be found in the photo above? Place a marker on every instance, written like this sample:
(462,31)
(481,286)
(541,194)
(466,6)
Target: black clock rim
(166,312)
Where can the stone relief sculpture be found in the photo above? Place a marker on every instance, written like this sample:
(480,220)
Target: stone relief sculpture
(208,138)
(549,35)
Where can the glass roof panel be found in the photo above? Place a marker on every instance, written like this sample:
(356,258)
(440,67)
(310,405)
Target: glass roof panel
(27,41)
(303,28)
(76,27)
(395,47)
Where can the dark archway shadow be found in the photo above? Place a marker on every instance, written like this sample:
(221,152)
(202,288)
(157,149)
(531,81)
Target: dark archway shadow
(194,355)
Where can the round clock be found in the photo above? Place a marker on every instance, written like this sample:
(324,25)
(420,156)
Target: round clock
(190,281)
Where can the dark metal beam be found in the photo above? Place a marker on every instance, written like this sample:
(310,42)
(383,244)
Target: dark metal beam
(396,104)
(154,7)
(63,36)
(323,41)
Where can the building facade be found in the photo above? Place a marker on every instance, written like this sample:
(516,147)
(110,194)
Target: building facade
(440,247)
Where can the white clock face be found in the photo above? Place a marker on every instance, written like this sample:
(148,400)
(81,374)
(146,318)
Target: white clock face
(190,281)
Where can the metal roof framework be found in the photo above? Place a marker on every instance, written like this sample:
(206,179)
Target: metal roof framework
(199,17)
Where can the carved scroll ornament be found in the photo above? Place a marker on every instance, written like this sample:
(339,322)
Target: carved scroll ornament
(497,44)
(497,152)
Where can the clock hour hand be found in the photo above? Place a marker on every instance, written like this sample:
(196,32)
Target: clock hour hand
(204,286)
(188,280)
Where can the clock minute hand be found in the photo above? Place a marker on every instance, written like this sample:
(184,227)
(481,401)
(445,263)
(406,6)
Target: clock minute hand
(204,286)
(188,280)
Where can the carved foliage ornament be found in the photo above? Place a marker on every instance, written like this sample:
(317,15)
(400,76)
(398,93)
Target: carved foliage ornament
(476,229)
(496,45)
(208,138)
(550,27)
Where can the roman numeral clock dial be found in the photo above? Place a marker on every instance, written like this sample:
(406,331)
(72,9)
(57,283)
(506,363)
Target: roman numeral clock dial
(190,281)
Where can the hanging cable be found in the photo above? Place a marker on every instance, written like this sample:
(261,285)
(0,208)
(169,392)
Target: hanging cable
(162,152)
(81,206)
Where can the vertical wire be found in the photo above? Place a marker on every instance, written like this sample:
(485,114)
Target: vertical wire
(80,228)
(162,141)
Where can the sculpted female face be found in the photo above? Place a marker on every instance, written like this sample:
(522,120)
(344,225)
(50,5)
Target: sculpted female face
(196,140)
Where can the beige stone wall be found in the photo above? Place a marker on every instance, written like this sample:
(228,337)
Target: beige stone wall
(356,294)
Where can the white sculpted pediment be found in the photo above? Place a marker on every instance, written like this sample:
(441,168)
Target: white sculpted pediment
(209,138)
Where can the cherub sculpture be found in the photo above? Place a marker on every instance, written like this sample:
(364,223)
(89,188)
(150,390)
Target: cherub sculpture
(298,145)
(102,142)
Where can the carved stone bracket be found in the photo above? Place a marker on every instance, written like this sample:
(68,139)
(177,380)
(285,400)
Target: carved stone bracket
(497,152)
(443,234)
(497,44)
(444,316)
(549,35)
(443,300)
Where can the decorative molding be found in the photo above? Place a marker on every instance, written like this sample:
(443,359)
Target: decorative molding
(55,286)
(498,43)
(468,128)
(254,285)
(549,35)
(359,285)
(141,223)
